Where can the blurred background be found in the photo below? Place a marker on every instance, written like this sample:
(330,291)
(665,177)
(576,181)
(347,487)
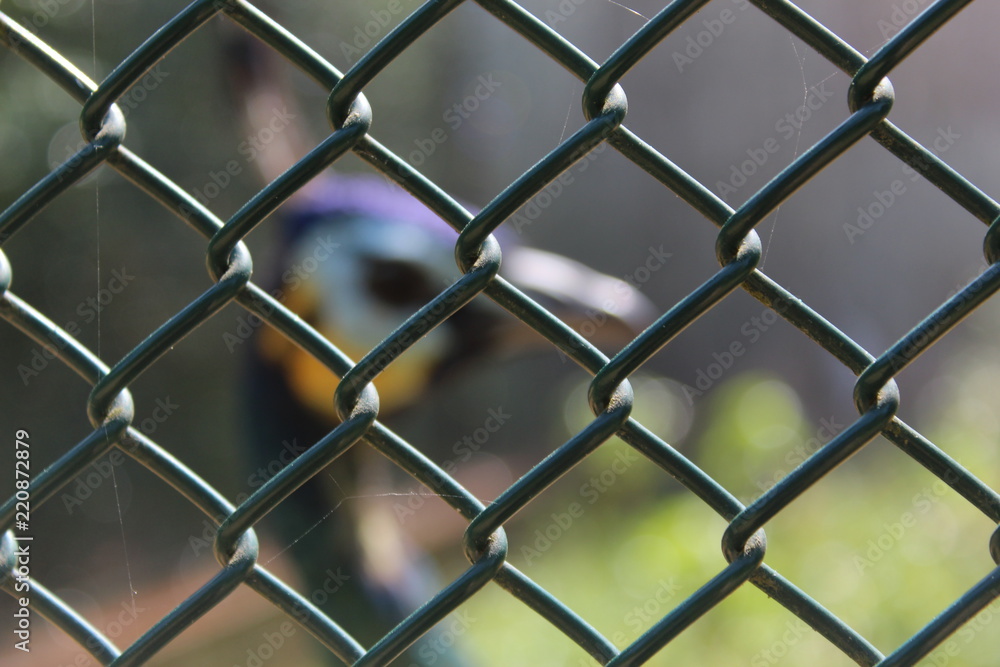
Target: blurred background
(642,543)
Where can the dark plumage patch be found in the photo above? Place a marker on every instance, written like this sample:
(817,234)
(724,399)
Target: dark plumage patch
(398,283)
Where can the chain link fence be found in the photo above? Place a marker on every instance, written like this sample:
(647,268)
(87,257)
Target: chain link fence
(738,248)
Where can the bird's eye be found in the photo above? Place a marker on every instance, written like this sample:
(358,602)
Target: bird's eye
(398,283)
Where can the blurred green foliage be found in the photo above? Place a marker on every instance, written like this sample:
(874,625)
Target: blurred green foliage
(880,542)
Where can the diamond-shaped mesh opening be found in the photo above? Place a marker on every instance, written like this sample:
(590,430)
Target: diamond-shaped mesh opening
(764,458)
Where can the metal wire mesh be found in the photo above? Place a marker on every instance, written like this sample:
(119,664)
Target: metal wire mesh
(738,249)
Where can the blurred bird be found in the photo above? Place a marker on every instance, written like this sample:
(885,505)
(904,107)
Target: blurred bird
(355,257)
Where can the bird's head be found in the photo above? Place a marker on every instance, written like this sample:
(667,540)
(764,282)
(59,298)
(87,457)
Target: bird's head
(359,256)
